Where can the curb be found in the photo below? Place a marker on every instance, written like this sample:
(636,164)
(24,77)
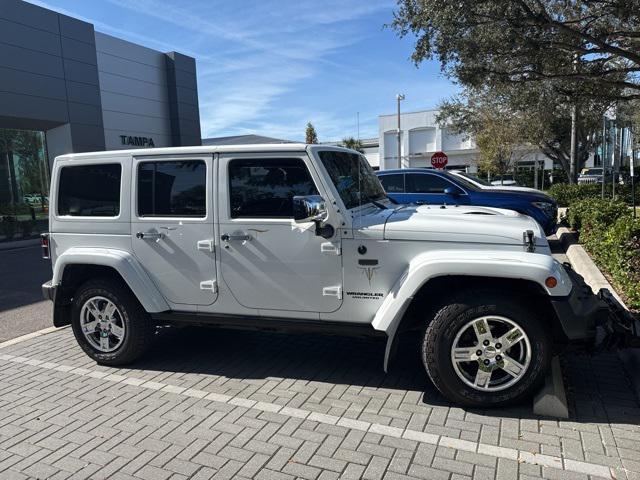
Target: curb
(19,244)
(584,265)
(29,336)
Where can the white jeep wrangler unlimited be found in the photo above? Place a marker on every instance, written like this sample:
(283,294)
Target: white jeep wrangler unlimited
(303,237)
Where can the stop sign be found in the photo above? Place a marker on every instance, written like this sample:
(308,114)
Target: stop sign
(439,160)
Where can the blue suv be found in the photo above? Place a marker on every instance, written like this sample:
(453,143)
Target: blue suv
(435,187)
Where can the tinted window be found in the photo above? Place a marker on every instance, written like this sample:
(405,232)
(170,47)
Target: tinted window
(90,190)
(266,187)
(353,177)
(392,183)
(426,183)
(172,189)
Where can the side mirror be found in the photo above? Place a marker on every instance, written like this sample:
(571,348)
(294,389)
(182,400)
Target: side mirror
(312,208)
(454,192)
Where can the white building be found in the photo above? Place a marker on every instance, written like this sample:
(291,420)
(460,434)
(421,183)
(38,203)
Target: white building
(421,137)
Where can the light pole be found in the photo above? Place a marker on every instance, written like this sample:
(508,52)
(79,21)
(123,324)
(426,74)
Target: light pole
(399,98)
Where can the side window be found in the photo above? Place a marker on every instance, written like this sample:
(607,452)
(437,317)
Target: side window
(426,183)
(264,188)
(90,190)
(393,183)
(172,189)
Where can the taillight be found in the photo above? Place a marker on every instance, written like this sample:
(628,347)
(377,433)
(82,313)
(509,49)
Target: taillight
(44,243)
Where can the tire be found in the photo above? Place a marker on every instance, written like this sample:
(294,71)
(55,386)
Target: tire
(131,322)
(501,381)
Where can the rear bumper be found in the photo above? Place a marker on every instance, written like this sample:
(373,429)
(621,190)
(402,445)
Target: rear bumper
(49,291)
(581,311)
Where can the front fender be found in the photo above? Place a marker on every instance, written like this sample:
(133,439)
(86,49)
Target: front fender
(121,261)
(481,263)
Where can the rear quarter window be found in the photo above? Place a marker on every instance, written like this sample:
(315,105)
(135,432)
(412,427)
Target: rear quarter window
(90,190)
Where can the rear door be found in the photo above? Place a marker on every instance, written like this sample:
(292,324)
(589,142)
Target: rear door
(172,225)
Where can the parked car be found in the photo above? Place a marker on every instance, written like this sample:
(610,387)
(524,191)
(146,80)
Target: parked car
(506,181)
(592,175)
(437,187)
(304,237)
(483,184)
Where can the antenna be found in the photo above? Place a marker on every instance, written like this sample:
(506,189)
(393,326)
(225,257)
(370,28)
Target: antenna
(358,123)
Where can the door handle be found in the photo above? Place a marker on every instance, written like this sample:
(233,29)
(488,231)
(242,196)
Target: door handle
(230,238)
(150,236)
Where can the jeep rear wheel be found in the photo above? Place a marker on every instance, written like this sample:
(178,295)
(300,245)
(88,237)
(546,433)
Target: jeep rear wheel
(109,323)
(485,349)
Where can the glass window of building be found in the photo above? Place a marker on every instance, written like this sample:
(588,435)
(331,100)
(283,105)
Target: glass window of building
(24,183)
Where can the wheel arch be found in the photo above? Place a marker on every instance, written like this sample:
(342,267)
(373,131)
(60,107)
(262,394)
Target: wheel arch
(405,311)
(78,265)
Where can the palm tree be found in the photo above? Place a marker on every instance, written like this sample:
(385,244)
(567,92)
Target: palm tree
(353,144)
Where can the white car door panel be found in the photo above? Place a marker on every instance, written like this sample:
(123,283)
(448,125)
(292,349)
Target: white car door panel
(172,227)
(274,263)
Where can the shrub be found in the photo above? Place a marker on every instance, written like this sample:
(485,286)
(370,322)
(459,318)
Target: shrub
(566,193)
(7,228)
(618,253)
(27,227)
(612,238)
(595,212)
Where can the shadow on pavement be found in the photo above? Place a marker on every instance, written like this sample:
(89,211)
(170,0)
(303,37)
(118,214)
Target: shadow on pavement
(22,273)
(597,387)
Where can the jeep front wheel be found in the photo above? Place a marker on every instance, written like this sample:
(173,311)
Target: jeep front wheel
(485,350)
(109,323)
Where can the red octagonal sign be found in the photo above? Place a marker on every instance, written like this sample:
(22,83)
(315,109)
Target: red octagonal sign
(439,160)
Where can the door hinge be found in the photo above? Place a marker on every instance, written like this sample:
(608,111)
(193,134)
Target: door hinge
(328,247)
(209,285)
(206,245)
(332,292)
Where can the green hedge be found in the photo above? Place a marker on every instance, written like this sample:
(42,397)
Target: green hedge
(612,237)
(566,193)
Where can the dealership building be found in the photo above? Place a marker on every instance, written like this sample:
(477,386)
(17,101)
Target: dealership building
(66,88)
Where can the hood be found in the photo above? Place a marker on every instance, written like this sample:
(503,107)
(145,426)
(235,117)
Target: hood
(513,188)
(461,224)
(521,195)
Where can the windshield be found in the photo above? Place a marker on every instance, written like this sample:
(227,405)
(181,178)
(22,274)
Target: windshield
(474,178)
(592,171)
(353,177)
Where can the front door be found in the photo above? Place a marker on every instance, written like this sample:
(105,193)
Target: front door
(426,188)
(267,260)
(172,227)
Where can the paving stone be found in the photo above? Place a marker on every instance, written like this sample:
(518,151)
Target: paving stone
(173,415)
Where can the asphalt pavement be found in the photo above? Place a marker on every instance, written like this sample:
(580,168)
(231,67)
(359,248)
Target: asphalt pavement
(22,308)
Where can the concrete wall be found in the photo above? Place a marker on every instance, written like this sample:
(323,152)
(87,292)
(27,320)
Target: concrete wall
(49,76)
(86,89)
(133,87)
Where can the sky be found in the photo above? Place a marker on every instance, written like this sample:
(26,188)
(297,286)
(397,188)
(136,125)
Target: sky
(270,66)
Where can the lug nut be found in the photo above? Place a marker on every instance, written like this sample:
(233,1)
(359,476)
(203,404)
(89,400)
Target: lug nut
(486,343)
(498,358)
(487,362)
(498,345)
(479,353)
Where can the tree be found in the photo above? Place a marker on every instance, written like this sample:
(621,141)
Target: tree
(310,134)
(536,116)
(353,144)
(497,130)
(582,48)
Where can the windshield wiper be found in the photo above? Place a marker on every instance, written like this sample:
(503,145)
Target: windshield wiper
(377,203)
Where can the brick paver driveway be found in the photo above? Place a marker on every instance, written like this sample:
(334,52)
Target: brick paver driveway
(216,404)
